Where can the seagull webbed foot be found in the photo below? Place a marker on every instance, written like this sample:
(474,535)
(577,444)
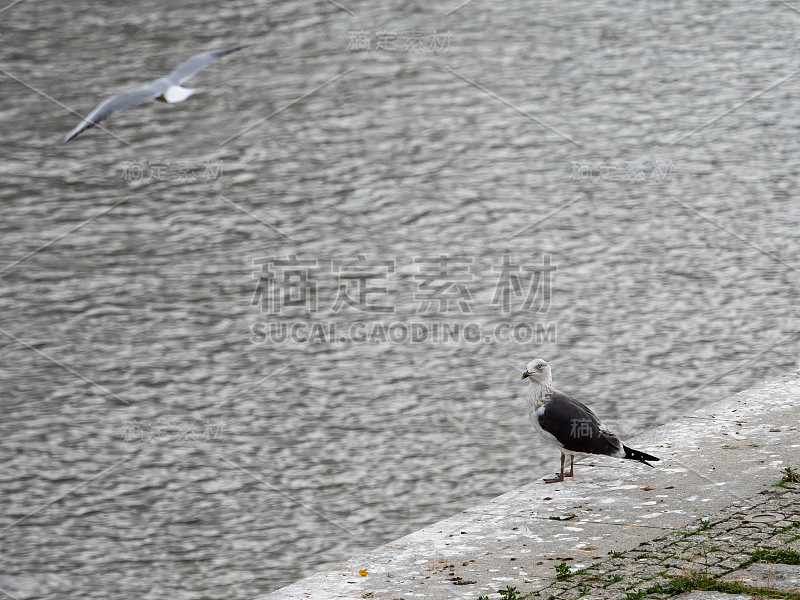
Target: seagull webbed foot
(556,479)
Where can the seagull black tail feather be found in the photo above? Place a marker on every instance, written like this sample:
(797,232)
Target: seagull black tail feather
(640,456)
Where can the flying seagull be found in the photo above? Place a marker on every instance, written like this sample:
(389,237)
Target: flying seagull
(569,425)
(164,89)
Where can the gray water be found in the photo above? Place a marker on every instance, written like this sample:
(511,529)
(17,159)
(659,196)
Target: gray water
(153,446)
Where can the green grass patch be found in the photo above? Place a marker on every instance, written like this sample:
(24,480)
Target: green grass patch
(789,476)
(776,555)
(583,570)
(792,539)
(510,593)
(563,572)
(794,525)
(612,580)
(679,585)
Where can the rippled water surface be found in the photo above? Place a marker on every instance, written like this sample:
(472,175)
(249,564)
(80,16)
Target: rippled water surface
(152,446)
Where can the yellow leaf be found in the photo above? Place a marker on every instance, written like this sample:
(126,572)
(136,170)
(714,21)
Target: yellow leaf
(363,572)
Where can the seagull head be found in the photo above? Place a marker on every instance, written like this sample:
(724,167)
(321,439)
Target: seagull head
(538,371)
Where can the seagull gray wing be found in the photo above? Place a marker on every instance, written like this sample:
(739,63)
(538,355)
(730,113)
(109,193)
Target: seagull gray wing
(577,428)
(118,102)
(188,68)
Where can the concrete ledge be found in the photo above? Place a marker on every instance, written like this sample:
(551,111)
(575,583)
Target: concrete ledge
(719,456)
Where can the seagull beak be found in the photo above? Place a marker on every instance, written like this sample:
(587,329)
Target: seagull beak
(525,375)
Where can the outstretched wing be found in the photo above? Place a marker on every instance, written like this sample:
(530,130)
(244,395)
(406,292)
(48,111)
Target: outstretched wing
(187,69)
(577,428)
(115,103)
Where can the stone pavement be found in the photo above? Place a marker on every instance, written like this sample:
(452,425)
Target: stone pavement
(715,463)
(744,546)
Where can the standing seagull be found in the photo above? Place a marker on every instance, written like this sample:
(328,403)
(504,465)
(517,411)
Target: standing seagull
(568,424)
(164,89)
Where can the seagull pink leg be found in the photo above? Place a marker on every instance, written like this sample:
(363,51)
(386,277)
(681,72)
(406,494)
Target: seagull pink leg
(560,477)
(571,466)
